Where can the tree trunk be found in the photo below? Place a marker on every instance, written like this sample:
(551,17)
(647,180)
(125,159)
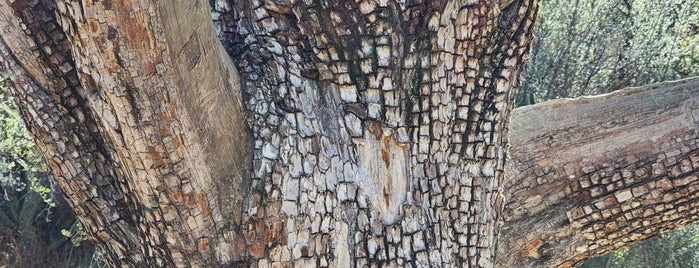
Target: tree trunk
(591,175)
(140,119)
(358,133)
(375,129)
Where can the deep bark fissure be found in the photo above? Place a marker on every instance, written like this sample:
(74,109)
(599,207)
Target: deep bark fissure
(116,199)
(323,166)
(71,118)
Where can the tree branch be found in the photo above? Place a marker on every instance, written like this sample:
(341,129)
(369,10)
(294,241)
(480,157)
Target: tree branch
(590,175)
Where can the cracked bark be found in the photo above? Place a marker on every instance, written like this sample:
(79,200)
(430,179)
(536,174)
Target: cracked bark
(594,174)
(356,133)
(377,128)
(119,98)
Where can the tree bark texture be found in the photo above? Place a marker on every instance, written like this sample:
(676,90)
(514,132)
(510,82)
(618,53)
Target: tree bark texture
(353,133)
(377,128)
(140,119)
(594,174)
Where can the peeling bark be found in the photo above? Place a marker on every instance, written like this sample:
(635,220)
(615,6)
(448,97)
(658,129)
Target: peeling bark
(594,174)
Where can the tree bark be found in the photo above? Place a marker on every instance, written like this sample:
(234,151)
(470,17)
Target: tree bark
(140,119)
(377,128)
(594,174)
(357,133)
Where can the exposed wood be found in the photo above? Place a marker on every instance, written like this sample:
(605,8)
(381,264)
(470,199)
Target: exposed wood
(594,174)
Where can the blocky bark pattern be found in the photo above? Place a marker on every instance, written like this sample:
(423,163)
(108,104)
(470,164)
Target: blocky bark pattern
(141,141)
(591,175)
(52,107)
(378,135)
(378,127)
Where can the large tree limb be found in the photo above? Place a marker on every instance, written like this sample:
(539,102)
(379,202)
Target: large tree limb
(140,119)
(590,175)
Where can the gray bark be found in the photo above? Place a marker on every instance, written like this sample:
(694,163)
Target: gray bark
(594,174)
(354,134)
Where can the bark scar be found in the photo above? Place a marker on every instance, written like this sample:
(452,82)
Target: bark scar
(386,197)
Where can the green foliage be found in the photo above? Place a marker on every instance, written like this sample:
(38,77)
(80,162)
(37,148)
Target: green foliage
(34,219)
(676,249)
(76,234)
(32,212)
(588,47)
(20,164)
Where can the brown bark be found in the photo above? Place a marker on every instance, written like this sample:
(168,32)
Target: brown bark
(594,174)
(378,127)
(139,118)
(376,135)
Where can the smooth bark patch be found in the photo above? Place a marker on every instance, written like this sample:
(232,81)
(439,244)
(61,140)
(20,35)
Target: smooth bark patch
(382,174)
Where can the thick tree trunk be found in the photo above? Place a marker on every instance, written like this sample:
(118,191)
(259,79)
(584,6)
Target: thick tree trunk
(378,127)
(375,135)
(591,175)
(139,117)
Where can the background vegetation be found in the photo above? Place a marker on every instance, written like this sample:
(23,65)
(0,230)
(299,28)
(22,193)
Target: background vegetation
(587,47)
(583,47)
(37,228)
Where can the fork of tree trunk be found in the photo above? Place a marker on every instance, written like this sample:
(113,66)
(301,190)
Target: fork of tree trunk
(336,133)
